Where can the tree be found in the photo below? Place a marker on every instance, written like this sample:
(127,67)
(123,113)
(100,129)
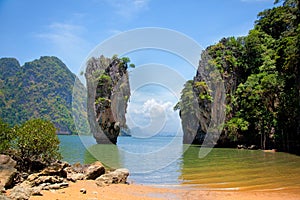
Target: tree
(261,75)
(5,136)
(36,139)
(283,24)
(33,91)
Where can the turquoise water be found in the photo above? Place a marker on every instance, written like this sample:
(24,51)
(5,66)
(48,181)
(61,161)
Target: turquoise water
(73,147)
(164,161)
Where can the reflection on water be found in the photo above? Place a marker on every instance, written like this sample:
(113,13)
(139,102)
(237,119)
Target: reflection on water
(73,147)
(108,154)
(232,169)
(159,161)
(155,160)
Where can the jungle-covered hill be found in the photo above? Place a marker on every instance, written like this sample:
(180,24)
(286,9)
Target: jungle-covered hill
(261,76)
(38,89)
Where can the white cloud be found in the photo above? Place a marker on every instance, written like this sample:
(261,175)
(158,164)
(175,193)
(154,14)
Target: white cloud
(128,8)
(150,111)
(152,117)
(154,108)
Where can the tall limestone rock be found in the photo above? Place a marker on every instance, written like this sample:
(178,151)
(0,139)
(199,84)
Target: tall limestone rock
(202,108)
(108,94)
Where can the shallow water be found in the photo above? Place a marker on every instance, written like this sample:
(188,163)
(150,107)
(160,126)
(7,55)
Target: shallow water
(232,169)
(164,161)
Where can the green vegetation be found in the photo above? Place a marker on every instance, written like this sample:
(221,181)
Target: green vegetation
(267,99)
(104,78)
(124,61)
(108,79)
(132,65)
(261,75)
(6,136)
(36,140)
(204,90)
(33,141)
(39,89)
(186,101)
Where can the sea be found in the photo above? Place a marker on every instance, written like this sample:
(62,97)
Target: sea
(166,162)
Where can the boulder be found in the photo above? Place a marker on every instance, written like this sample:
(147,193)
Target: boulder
(38,180)
(7,161)
(7,171)
(36,191)
(80,172)
(32,177)
(56,186)
(76,168)
(20,193)
(75,177)
(114,177)
(122,175)
(56,168)
(24,191)
(94,171)
(2,197)
(46,179)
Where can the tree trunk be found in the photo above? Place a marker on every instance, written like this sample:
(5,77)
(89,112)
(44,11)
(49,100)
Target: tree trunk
(265,140)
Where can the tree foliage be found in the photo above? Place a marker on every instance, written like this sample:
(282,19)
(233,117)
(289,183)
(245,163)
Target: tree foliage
(41,89)
(36,140)
(33,143)
(261,75)
(268,100)
(6,136)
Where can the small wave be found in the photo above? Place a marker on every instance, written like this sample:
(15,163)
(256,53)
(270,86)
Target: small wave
(271,189)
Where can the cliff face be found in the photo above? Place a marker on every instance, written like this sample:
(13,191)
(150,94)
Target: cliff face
(108,94)
(202,105)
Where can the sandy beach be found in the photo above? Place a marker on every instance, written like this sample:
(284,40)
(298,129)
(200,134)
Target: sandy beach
(141,192)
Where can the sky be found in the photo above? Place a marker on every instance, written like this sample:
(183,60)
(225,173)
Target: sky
(71,29)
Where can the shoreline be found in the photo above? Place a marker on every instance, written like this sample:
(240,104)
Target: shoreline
(144,192)
(113,186)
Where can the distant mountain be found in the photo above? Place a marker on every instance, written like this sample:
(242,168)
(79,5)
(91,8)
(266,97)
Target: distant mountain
(39,89)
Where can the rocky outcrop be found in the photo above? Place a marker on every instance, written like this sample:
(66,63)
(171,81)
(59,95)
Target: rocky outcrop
(7,171)
(194,119)
(2,197)
(84,172)
(114,177)
(20,193)
(108,93)
(202,105)
(56,176)
(94,171)
(55,169)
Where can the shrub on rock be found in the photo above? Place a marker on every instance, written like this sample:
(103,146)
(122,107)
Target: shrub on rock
(36,140)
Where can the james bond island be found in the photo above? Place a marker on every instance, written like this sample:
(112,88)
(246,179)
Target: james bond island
(108,94)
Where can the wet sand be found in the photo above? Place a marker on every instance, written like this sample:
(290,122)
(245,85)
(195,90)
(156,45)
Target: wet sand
(141,192)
